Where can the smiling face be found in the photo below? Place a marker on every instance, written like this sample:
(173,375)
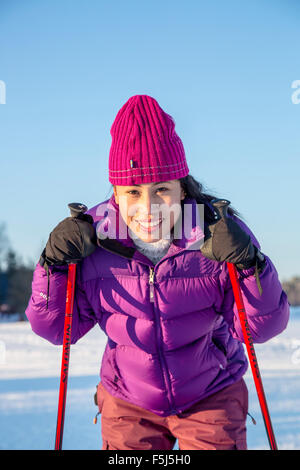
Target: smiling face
(150,210)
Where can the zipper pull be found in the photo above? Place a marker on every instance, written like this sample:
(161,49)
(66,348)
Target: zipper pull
(151,282)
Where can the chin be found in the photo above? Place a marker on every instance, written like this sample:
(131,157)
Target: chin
(147,238)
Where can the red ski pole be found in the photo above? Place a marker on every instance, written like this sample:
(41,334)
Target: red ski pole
(76,209)
(251,354)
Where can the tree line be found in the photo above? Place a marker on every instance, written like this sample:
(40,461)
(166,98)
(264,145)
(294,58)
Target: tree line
(15,278)
(292,289)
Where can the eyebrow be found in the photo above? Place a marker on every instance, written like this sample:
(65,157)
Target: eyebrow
(154,184)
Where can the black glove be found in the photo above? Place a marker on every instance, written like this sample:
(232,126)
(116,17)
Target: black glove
(71,240)
(226,241)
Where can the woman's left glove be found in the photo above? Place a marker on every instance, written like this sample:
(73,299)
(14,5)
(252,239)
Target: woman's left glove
(226,241)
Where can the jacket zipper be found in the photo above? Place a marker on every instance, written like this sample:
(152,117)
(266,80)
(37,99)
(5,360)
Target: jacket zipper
(158,330)
(151,282)
(159,341)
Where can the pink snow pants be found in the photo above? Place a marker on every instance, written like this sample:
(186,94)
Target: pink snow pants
(215,423)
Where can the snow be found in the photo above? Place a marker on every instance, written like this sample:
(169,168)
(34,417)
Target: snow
(29,383)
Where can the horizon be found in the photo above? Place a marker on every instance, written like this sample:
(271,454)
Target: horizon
(228,74)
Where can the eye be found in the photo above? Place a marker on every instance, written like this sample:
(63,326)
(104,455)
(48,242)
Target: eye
(132,191)
(162,189)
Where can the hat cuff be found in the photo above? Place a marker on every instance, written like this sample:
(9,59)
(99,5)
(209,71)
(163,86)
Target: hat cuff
(131,176)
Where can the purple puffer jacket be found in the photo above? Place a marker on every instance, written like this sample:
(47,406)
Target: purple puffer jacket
(173,330)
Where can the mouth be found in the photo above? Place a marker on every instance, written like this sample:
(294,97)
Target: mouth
(147,226)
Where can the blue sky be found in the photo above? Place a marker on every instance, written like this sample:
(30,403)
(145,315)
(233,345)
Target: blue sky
(223,70)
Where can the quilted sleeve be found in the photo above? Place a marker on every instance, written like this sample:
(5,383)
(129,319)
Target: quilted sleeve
(267,311)
(46,307)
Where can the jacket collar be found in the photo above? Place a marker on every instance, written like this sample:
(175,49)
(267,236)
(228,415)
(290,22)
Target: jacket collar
(112,231)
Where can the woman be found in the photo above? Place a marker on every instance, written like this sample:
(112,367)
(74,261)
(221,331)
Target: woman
(153,275)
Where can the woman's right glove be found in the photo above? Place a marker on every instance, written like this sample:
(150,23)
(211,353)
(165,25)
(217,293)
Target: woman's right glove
(70,241)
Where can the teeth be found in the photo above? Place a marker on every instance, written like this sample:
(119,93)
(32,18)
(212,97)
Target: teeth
(149,224)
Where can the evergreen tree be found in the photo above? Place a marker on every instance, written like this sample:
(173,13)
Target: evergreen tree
(15,277)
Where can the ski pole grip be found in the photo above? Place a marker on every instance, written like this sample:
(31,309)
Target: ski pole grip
(76,209)
(221,207)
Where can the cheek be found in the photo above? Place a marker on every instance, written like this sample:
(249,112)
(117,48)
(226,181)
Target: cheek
(171,213)
(123,208)
(127,211)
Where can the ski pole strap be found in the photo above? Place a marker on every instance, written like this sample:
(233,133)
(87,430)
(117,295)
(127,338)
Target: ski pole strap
(260,263)
(257,279)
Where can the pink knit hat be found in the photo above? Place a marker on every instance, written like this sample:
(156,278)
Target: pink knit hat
(145,147)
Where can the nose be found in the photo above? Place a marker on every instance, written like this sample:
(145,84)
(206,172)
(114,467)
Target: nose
(148,205)
(146,202)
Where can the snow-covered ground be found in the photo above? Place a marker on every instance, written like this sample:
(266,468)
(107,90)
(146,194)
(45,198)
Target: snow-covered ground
(29,383)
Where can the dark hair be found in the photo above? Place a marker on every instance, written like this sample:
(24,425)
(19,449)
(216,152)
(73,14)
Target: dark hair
(194,189)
